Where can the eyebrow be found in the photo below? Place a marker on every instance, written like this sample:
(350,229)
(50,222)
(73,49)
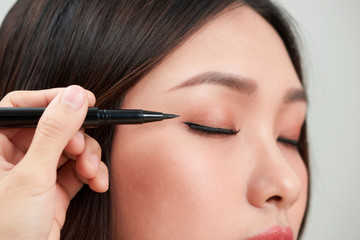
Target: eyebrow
(296,95)
(237,83)
(232,81)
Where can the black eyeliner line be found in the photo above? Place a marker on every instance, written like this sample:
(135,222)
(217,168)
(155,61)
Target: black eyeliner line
(211,130)
(289,141)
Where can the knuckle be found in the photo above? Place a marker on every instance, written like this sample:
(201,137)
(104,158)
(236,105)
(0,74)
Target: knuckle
(9,98)
(11,94)
(50,126)
(93,145)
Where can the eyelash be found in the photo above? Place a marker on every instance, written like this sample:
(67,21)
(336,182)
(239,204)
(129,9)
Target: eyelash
(290,142)
(223,131)
(210,130)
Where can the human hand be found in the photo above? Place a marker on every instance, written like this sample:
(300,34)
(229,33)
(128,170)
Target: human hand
(42,169)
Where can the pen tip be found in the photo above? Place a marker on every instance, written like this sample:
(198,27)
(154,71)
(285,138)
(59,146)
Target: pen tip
(168,116)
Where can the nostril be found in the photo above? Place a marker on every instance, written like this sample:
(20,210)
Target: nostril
(275,198)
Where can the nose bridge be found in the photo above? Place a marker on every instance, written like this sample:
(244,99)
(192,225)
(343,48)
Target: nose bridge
(272,180)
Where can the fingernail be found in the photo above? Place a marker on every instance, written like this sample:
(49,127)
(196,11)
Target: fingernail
(73,96)
(94,160)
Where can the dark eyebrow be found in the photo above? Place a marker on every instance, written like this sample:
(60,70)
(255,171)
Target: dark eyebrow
(295,95)
(238,83)
(232,81)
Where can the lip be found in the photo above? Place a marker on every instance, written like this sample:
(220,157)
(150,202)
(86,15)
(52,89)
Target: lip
(274,233)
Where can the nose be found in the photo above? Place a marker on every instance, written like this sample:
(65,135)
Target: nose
(273,181)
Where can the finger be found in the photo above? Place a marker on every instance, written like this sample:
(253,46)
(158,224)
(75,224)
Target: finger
(4,166)
(54,130)
(6,147)
(87,163)
(100,183)
(69,183)
(74,148)
(9,152)
(64,159)
(22,138)
(36,98)
(39,98)
(81,148)
(69,180)
(76,145)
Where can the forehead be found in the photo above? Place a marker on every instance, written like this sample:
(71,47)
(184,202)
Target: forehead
(237,42)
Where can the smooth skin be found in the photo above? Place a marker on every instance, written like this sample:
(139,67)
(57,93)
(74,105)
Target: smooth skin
(174,182)
(41,170)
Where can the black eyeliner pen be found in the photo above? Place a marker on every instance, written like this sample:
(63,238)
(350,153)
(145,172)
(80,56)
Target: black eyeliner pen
(29,117)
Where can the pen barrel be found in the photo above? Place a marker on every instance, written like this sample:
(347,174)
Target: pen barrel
(96,117)
(92,118)
(123,116)
(26,117)
(29,117)
(130,116)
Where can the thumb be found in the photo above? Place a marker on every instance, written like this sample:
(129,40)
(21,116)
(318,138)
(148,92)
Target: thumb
(59,123)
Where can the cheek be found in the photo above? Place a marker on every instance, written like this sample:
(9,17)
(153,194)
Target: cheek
(184,184)
(159,177)
(155,162)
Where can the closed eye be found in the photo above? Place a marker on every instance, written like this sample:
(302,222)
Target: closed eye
(210,130)
(225,131)
(290,142)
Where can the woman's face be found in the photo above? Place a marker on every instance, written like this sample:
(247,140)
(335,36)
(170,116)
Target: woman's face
(221,170)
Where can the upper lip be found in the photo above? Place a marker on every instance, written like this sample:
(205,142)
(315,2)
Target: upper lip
(274,233)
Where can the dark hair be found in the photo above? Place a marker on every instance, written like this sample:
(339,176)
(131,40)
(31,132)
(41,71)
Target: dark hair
(107,46)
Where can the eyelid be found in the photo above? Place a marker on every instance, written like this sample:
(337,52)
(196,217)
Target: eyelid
(211,130)
(224,131)
(292,142)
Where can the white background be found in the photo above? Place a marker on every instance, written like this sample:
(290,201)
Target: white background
(331,37)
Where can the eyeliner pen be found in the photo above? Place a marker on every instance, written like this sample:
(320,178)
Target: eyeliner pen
(29,117)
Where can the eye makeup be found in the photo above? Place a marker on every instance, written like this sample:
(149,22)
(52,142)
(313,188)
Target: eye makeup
(291,142)
(206,130)
(211,130)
